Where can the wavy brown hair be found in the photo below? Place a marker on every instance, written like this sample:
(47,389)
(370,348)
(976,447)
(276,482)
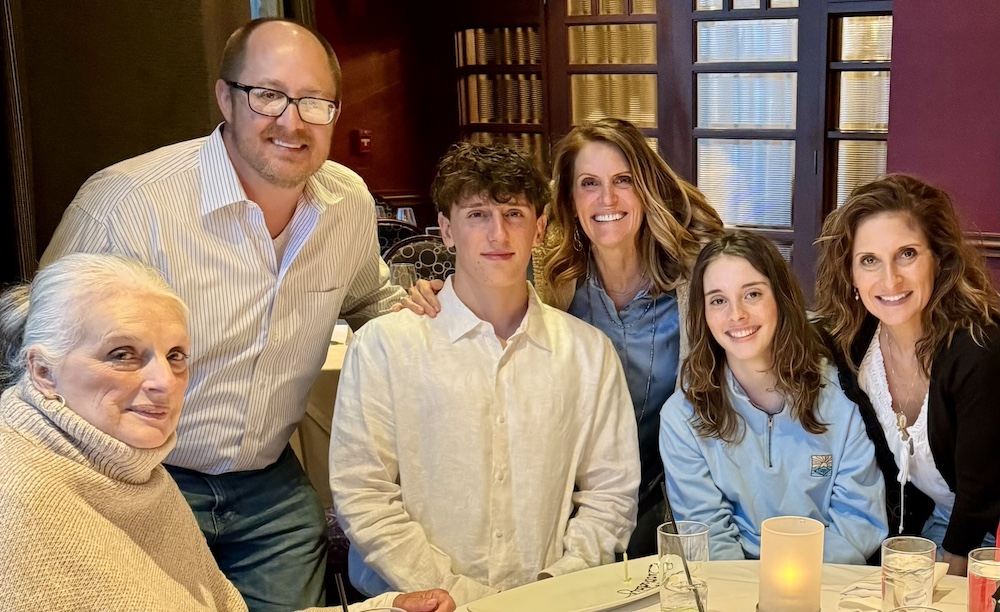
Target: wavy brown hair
(677,218)
(797,350)
(964,296)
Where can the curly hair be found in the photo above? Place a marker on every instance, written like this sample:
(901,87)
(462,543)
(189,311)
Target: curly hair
(798,351)
(497,171)
(677,218)
(963,297)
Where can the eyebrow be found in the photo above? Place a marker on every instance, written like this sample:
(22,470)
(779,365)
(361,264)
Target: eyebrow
(308,93)
(745,286)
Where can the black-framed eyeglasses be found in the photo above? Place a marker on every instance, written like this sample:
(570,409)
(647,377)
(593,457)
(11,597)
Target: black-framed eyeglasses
(272,103)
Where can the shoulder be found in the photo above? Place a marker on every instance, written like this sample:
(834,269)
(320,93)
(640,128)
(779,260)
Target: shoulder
(677,409)
(393,328)
(103,191)
(343,181)
(834,408)
(573,331)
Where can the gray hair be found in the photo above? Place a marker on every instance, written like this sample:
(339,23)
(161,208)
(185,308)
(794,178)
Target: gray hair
(46,314)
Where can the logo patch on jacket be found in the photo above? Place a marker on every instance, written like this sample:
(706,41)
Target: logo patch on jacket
(822,466)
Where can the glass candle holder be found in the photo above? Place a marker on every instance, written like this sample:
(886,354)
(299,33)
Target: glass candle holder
(791,564)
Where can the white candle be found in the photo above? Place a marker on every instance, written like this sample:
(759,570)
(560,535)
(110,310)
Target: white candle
(791,564)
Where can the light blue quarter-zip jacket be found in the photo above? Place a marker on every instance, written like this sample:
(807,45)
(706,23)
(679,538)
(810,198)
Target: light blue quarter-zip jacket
(777,469)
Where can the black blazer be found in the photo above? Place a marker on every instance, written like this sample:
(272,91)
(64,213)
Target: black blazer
(963,429)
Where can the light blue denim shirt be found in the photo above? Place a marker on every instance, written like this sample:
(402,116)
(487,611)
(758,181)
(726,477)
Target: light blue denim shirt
(646,335)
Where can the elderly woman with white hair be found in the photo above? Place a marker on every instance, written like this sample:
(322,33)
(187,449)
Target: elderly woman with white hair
(95,367)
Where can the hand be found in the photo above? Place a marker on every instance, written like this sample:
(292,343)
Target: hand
(434,600)
(957,566)
(422,298)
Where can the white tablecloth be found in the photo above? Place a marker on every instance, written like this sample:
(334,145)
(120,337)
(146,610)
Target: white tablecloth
(733,588)
(311,442)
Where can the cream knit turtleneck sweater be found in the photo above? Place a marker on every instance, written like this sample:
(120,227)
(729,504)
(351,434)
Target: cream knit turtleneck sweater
(90,523)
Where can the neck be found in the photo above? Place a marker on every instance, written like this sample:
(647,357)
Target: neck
(620,272)
(502,307)
(759,383)
(276,202)
(904,337)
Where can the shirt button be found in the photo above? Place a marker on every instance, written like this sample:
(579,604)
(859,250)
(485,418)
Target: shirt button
(619,345)
(500,476)
(498,534)
(501,419)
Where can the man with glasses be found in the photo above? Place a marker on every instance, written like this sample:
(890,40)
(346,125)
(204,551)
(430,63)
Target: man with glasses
(268,243)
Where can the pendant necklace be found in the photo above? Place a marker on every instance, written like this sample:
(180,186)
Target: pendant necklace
(901,421)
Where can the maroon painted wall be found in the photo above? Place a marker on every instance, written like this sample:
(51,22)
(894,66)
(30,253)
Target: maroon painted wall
(944,102)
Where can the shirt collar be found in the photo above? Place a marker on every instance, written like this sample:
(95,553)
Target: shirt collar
(461,321)
(225,188)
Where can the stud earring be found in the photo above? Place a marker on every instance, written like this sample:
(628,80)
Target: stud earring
(857,296)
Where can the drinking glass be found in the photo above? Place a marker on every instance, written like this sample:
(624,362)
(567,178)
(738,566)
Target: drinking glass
(433,230)
(403,274)
(915,609)
(683,544)
(907,572)
(405,214)
(381,212)
(984,577)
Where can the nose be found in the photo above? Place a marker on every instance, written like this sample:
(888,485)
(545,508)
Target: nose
(159,376)
(890,274)
(290,118)
(608,193)
(737,312)
(498,228)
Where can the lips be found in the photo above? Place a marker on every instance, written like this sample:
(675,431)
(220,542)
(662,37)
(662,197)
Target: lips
(287,145)
(742,333)
(503,256)
(609,217)
(153,413)
(894,298)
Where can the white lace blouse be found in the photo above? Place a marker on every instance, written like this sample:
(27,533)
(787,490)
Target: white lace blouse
(915,464)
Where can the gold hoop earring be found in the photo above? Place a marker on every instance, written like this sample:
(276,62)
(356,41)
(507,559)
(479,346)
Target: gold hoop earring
(58,398)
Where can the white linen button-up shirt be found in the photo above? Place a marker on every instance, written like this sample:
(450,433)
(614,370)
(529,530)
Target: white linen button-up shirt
(457,463)
(260,327)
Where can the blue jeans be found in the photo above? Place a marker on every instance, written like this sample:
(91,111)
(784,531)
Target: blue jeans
(266,529)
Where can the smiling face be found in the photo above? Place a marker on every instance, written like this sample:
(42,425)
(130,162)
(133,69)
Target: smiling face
(492,241)
(741,311)
(893,268)
(282,151)
(607,204)
(127,374)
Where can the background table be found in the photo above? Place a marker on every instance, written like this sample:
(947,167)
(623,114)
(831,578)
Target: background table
(733,588)
(311,441)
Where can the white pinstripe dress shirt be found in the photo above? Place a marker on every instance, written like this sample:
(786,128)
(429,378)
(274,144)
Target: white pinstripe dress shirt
(260,328)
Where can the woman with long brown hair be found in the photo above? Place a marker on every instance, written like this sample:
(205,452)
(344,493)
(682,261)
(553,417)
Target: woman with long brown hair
(912,314)
(760,427)
(624,231)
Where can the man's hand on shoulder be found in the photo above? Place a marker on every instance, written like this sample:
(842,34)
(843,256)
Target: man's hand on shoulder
(434,600)
(422,298)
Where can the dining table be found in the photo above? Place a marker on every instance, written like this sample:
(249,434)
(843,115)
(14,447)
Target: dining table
(732,587)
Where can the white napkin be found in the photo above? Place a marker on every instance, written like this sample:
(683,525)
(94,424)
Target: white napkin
(867,593)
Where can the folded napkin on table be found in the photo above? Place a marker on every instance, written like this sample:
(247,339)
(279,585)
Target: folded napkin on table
(867,592)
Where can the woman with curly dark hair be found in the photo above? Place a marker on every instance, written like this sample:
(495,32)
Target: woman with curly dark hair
(912,314)
(760,427)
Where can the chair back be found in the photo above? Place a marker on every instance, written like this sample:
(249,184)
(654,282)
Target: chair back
(392,231)
(427,253)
